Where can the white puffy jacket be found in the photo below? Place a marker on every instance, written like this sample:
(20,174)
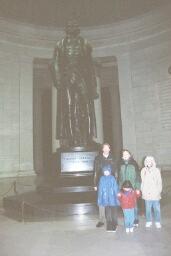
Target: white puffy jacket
(151,185)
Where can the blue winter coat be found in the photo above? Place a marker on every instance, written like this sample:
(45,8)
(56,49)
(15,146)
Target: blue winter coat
(107,191)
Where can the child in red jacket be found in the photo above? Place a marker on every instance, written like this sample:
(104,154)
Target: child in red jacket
(128,198)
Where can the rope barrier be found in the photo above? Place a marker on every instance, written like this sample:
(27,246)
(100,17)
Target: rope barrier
(7,192)
(14,187)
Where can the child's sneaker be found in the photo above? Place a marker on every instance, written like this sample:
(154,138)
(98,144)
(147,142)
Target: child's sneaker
(131,230)
(114,226)
(99,224)
(127,230)
(158,225)
(136,222)
(148,224)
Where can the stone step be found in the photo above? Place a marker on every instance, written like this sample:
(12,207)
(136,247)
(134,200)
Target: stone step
(35,206)
(68,180)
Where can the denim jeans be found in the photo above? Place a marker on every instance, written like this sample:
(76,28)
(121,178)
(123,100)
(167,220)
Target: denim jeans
(155,205)
(129,217)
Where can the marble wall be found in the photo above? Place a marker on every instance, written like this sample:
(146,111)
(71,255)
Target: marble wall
(142,49)
(151,92)
(16,130)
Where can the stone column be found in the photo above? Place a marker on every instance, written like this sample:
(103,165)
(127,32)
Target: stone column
(26,116)
(9,114)
(126,99)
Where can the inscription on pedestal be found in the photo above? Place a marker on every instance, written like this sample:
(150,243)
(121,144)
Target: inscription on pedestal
(77,161)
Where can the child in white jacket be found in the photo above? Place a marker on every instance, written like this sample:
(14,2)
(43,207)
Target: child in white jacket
(151,188)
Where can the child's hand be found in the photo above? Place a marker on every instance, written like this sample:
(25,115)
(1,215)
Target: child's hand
(119,194)
(138,193)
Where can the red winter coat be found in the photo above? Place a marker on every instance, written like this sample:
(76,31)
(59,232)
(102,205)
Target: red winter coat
(128,199)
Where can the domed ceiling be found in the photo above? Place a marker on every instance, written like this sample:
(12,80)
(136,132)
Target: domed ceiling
(88,12)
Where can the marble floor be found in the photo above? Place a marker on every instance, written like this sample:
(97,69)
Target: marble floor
(78,235)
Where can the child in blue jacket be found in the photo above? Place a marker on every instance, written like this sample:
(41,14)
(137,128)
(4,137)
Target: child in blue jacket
(107,197)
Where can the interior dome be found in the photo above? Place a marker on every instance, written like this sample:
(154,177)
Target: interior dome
(88,12)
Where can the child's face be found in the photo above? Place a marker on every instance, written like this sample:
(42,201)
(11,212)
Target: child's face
(126,155)
(149,164)
(106,173)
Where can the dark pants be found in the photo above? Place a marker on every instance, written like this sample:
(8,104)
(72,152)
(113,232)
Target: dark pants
(111,213)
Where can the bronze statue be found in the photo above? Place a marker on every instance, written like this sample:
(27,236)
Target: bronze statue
(74,78)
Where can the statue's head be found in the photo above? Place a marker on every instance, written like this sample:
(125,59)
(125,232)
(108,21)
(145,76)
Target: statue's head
(72,27)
